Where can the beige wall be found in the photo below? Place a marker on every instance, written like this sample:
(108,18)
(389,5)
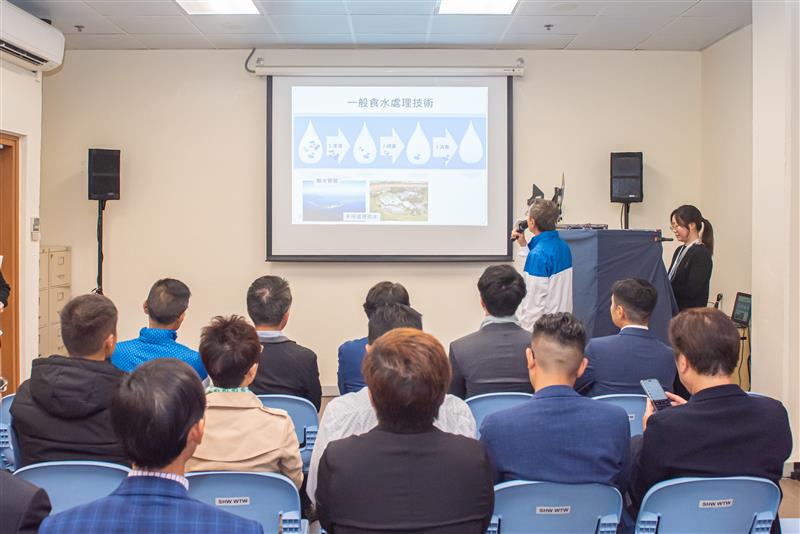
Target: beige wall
(776,206)
(191,125)
(726,189)
(21,115)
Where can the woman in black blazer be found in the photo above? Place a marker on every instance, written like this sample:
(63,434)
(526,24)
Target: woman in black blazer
(405,475)
(690,269)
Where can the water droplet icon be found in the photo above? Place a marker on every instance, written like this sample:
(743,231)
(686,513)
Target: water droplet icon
(310,146)
(470,149)
(418,150)
(365,150)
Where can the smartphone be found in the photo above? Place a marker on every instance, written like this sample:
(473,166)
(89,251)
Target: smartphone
(652,388)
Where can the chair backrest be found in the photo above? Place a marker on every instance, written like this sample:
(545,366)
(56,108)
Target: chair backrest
(483,405)
(521,507)
(302,411)
(269,498)
(9,449)
(633,404)
(305,418)
(709,505)
(72,483)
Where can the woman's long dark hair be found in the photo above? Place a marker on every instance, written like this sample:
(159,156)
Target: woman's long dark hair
(687,214)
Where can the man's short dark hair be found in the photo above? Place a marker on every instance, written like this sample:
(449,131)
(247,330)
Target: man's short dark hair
(384,293)
(86,322)
(544,214)
(637,297)
(229,347)
(391,316)
(502,289)
(154,409)
(567,334)
(407,373)
(268,300)
(167,300)
(708,338)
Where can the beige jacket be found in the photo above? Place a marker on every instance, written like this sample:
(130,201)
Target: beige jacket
(242,435)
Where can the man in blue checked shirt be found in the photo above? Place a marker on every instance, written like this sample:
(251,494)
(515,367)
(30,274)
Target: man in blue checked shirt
(166,308)
(158,437)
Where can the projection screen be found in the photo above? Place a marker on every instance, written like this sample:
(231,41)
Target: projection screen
(389,168)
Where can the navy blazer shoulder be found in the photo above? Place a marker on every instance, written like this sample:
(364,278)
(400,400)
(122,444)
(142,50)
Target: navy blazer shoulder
(618,362)
(351,354)
(559,436)
(148,504)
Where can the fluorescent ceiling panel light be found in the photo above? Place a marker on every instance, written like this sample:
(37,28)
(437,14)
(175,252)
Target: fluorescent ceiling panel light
(477,7)
(219,7)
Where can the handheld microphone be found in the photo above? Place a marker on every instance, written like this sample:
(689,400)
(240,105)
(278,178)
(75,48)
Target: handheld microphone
(522,225)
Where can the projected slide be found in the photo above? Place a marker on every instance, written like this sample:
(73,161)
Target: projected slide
(390,155)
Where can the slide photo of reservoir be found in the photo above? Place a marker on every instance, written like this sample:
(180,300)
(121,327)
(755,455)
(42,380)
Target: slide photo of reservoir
(328,202)
(399,201)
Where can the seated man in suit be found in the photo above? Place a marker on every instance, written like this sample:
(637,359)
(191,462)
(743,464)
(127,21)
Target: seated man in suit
(617,363)
(558,435)
(62,412)
(24,506)
(722,431)
(158,414)
(165,308)
(492,359)
(405,475)
(351,353)
(353,413)
(286,368)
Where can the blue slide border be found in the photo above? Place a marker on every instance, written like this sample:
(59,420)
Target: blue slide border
(398,258)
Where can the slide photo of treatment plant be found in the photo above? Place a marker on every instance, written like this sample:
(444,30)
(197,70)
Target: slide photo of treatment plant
(399,201)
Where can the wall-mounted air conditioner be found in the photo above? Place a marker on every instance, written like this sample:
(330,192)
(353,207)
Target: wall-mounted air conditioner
(28,41)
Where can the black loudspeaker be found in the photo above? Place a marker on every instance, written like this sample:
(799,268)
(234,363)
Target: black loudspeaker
(103,174)
(626,177)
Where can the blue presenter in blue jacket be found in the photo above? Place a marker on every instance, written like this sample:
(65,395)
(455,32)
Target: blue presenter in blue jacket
(548,266)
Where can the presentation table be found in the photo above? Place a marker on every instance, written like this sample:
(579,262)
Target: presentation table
(600,258)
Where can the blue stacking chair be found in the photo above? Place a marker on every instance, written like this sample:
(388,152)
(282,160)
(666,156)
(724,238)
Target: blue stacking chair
(709,506)
(305,418)
(483,405)
(9,450)
(72,483)
(633,404)
(269,498)
(521,507)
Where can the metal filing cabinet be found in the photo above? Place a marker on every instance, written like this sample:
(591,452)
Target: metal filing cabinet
(55,277)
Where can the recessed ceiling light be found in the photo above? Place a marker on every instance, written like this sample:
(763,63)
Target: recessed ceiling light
(477,7)
(219,7)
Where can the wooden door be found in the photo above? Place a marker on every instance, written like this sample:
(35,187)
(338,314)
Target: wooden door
(9,249)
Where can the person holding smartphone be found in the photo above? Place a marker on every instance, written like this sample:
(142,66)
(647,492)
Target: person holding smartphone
(721,431)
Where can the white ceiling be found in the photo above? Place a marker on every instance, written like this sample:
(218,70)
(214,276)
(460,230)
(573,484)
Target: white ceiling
(579,24)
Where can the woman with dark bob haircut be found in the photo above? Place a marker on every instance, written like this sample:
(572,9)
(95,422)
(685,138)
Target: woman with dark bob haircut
(405,475)
(240,433)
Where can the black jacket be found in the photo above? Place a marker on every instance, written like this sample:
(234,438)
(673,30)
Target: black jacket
(692,278)
(287,368)
(23,506)
(5,290)
(490,360)
(431,482)
(722,431)
(63,411)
